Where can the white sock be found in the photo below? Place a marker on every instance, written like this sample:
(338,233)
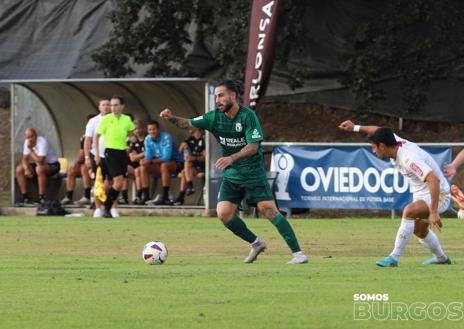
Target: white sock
(405,232)
(431,243)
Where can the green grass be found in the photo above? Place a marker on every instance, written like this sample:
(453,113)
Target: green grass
(86,273)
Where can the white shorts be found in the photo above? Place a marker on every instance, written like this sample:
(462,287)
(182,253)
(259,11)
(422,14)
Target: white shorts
(443,201)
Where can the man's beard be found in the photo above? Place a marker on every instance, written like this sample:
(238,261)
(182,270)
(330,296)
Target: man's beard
(227,107)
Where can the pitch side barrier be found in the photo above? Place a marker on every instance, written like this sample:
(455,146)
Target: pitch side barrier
(342,175)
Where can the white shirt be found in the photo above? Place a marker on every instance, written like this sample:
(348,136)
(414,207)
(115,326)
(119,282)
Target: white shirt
(42,148)
(91,131)
(415,164)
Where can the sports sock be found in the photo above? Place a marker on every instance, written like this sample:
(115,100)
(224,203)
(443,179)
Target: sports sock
(165,192)
(125,196)
(405,232)
(69,194)
(286,231)
(431,243)
(145,193)
(239,228)
(112,195)
(139,194)
(181,195)
(87,193)
(190,184)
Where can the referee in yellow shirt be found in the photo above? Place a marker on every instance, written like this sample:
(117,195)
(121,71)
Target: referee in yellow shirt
(115,127)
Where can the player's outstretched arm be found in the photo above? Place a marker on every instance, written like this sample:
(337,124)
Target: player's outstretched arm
(182,123)
(349,126)
(450,169)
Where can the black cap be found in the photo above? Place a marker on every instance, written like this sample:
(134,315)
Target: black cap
(383,135)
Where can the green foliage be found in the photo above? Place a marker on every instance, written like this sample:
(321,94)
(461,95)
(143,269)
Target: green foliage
(413,40)
(155,34)
(147,32)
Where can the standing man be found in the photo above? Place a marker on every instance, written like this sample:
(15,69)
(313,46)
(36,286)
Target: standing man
(430,191)
(39,160)
(92,151)
(239,133)
(162,158)
(115,127)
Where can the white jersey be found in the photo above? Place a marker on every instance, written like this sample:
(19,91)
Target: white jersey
(91,131)
(42,148)
(415,164)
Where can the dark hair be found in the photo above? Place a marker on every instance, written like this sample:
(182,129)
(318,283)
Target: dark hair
(121,99)
(153,122)
(383,135)
(231,86)
(104,99)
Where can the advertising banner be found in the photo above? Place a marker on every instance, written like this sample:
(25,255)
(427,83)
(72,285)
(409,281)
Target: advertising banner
(341,177)
(261,45)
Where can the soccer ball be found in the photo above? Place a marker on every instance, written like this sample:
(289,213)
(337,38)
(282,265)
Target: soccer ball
(461,214)
(155,253)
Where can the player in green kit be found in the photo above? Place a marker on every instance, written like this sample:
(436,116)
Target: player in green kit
(238,131)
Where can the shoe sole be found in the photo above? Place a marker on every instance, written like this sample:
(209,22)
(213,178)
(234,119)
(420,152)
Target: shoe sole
(390,265)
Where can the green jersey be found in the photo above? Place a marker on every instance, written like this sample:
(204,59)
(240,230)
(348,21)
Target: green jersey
(233,134)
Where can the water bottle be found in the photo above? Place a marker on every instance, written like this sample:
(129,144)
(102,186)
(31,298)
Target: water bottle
(186,152)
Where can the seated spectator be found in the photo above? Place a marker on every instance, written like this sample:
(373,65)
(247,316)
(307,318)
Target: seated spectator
(39,160)
(162,158)
(136,152)
(78,169)
(194,152)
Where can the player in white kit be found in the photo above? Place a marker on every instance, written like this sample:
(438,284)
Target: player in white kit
(429,186)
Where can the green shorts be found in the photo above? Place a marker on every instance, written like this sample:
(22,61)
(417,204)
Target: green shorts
(252,193)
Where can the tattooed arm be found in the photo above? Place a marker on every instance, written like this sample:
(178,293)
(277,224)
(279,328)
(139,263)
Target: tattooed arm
(178,121)
(247,151)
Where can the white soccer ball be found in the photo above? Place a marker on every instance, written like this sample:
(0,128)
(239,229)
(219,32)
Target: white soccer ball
(461,214)
(155,253)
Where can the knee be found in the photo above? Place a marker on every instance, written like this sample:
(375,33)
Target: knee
(19,170)
(41,170)
(268,212)
(410,212)
(224,215)
(164,167)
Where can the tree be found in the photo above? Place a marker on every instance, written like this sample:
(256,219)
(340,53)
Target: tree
(155,34)
(414,41)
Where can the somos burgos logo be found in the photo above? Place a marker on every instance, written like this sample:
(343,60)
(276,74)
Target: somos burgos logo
(380,307)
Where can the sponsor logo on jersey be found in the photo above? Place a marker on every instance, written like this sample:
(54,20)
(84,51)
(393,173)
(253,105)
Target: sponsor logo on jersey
(238,126)
(416,168)
(255,134)
(232,142)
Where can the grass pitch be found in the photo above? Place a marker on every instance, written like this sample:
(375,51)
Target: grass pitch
(87,273)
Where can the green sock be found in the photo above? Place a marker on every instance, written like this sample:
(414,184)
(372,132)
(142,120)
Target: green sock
(286,231)
(239,228)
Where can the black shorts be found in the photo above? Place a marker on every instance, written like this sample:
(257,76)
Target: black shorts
(54,168)
(116,161)
(103,166)
(199,166)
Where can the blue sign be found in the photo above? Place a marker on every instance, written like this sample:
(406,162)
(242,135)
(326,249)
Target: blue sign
(341,177)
